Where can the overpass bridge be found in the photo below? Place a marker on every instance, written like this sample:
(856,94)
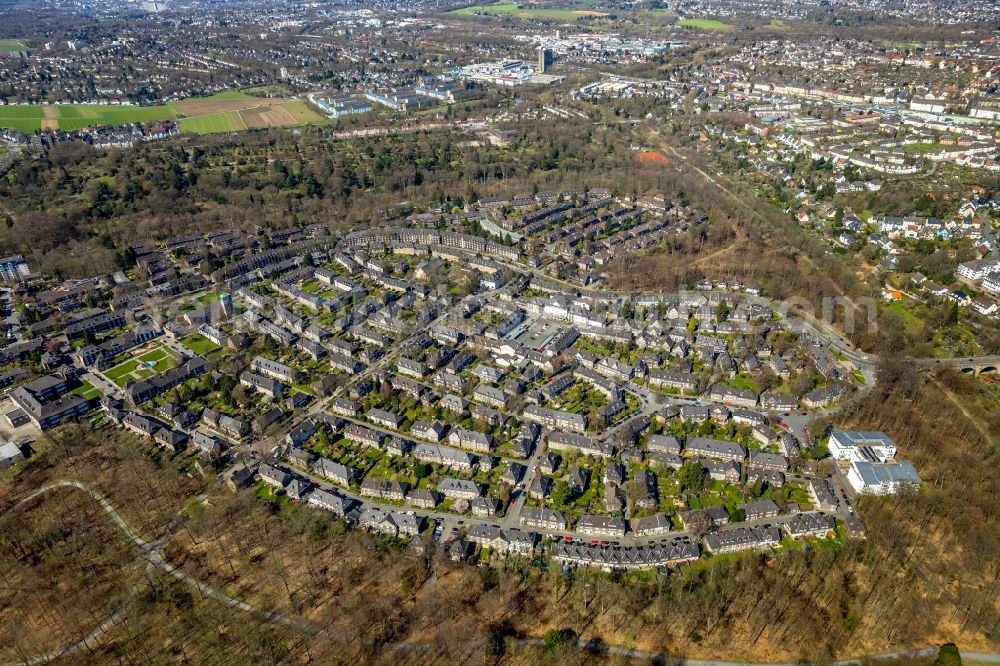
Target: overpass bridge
(973,365)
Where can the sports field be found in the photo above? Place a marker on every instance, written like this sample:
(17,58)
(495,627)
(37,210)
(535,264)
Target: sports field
(228,111)
(11,45)
(30,117)
(228,121)
(703,24)
(303,113)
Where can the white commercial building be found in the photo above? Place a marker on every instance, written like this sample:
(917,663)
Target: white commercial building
(873,469)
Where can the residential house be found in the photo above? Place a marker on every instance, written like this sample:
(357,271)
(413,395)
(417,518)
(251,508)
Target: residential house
(423,498)
(760,509)
(716,516)
(601,526)
(337,472)
(769,461)
(503,541)
(729,395)
(806,525)
(541,518)
(743,538)
(274,476)
(572,442)
(262,384)
(471,439)
(392,523)
(274,370)
(388,489)
(714,448)
(385,419)
(459,488)
(651,526)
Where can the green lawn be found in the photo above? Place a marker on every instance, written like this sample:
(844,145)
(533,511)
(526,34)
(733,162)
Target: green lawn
(199,344)
(121,370)
(742,382)
(229,121)
(158,360)
(704,24)
(11,45)
(152,362)
(153,356)
(924,148)
(87,390)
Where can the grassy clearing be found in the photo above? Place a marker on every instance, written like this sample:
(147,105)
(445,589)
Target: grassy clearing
(909,313)
(703,24)
(107,179)
(230,121)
